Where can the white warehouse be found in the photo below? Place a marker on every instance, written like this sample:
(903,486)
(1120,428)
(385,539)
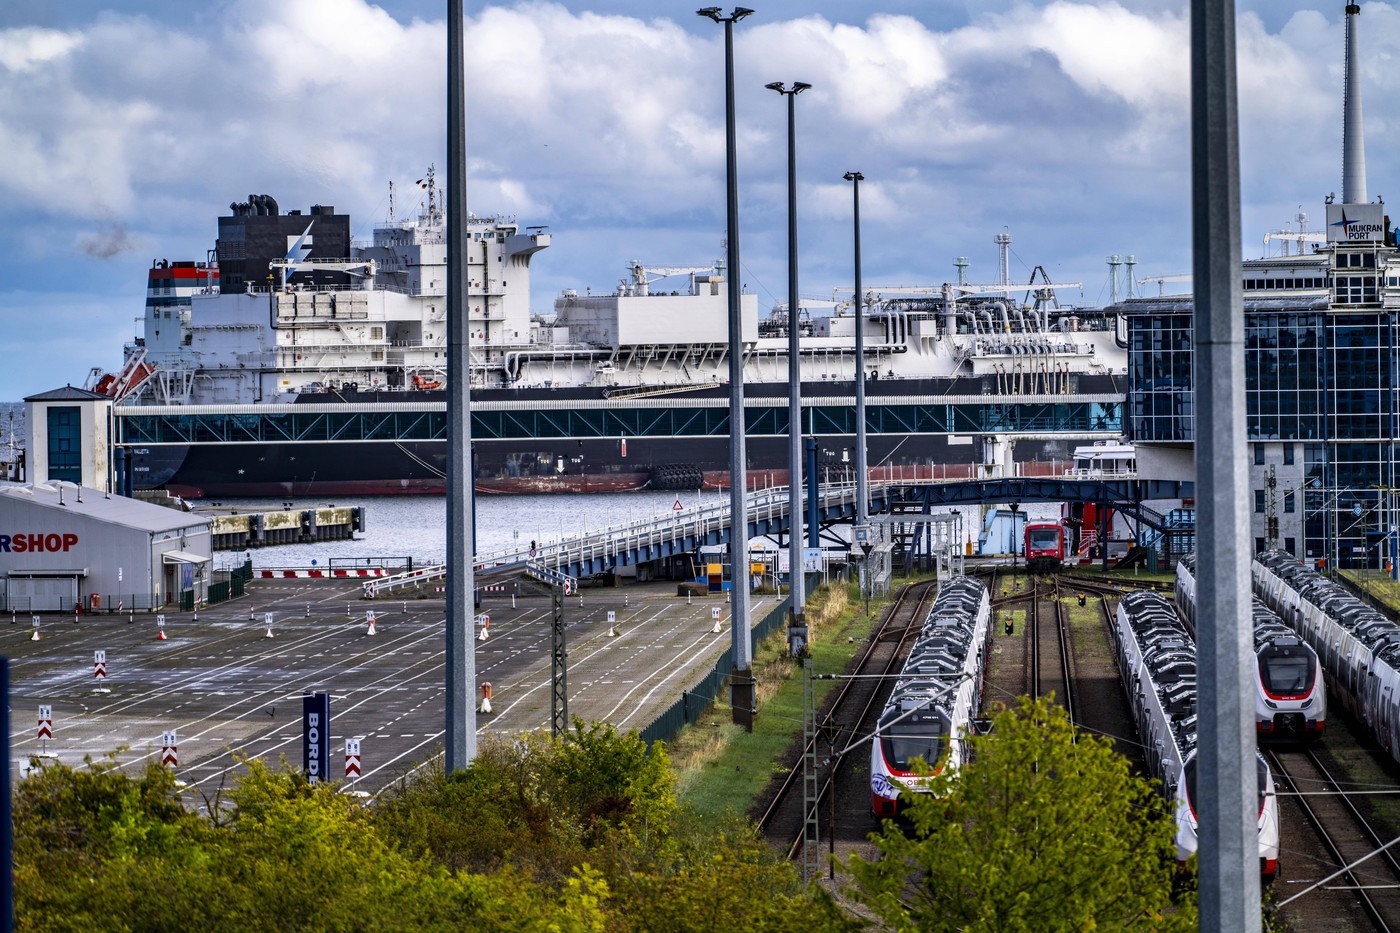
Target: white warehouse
(63,546)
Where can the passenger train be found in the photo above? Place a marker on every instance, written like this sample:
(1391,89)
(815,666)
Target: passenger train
(1045,547)
(1358,646)
(1290,695)
(1157,659)
(937,693)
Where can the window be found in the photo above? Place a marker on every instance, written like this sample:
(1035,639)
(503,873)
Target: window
(1258,545)
(1289,500)
(1259,501)
(1258,454)
(1290,545)
(65,447)
(1287,454)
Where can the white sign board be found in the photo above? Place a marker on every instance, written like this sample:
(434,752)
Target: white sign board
(267,617)
(352,747)
(863,534)
(46,713)
(160,620)
(812,559)
(612,616)
(1356,222)
(167,739)
(99,657)
(714,613)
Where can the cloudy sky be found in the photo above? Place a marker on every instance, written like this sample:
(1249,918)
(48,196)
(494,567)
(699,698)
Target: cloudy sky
(127,127)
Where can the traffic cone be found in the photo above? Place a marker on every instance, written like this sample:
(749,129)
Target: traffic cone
(35,636)
(715,629)
(370,630)
(485,697)
(269,629)
(612,630)
(482,636)
(160,634)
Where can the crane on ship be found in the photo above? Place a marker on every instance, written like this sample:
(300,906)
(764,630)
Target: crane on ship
(1161,280)
(644,276)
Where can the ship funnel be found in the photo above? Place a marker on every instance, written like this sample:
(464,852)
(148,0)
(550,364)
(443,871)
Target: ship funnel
(1353,140)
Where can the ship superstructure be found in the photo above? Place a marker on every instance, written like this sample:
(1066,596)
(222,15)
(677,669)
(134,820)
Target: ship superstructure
(290,341)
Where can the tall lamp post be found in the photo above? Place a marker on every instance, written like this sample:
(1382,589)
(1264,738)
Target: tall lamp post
(460,666)
(741,693)
(862,474)
(797,625)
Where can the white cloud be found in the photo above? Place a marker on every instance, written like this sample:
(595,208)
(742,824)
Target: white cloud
(1065,120)
(26,47)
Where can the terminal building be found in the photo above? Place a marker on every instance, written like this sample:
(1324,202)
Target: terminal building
(64,547)
(1322,383)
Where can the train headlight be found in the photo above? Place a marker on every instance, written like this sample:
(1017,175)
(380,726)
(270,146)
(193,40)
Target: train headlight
(1270,704)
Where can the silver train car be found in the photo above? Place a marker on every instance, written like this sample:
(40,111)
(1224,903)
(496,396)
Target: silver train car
(923,718)
(1290,693)
(1358,647)
(1157,659)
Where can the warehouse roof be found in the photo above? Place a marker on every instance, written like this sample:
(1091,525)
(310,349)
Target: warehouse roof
(92,504)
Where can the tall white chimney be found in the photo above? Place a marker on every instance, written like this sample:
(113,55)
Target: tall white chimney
(1353,138)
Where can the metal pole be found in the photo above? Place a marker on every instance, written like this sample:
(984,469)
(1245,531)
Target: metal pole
(813,522)
(862,478)
(741,680)
(1226,793)
(461,584)
(797,626)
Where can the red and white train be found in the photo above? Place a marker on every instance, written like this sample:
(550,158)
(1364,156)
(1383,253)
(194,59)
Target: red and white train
(935,698)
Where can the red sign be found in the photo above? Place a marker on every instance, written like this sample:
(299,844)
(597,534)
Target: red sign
(170,756)
(352,758)
(45,729)
(677,507)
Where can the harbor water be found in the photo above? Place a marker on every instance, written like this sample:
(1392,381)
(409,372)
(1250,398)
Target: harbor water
(415,526)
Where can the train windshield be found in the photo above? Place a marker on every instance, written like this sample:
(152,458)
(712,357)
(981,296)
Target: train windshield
(1261,772)
(914,738)
(1286,671)
(1044,539)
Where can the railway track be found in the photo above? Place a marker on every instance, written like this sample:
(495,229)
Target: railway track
(1051,671)
(848,714)
(1352,872)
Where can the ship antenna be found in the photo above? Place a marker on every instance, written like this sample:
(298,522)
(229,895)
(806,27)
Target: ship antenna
(391,200)
(1353,142)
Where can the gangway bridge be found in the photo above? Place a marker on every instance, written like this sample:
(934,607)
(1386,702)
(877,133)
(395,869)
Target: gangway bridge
(684,532)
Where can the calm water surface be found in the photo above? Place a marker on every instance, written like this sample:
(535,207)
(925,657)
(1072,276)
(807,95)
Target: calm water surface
(415,526)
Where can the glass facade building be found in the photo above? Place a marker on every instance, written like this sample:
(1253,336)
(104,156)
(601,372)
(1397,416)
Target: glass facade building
(1320,345)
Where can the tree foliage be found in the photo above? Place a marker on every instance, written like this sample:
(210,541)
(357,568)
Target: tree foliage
(1045,829)
(583,834)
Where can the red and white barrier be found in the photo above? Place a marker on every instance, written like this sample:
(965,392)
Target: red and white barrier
(312,573)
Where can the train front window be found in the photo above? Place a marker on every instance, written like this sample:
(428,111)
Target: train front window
(1285,671)
(1044,539)
(908,740)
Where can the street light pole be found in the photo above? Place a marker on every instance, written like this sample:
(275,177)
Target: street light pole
(460,656)
(797,625)
(862,477)
(741,692)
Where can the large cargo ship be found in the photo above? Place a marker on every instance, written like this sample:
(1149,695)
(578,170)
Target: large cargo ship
(296,361)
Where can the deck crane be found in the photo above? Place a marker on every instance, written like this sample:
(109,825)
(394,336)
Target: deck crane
(643,276)
(1161,280)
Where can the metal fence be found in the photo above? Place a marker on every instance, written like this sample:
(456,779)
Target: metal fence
(696,701)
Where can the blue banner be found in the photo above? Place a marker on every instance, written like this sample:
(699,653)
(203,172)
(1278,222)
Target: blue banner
(316,736)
